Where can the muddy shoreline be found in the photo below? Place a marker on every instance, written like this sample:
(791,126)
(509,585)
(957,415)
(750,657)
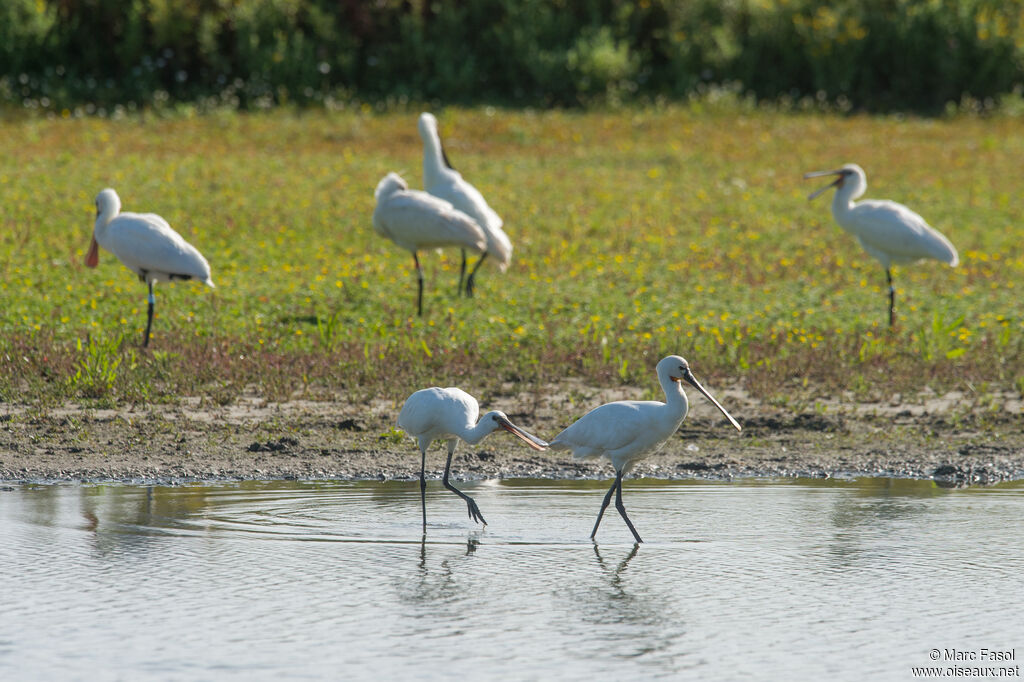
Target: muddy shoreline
(950,438)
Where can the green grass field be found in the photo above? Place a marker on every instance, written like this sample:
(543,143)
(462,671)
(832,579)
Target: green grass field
(636,233)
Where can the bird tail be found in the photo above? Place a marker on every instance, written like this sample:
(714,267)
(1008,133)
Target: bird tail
(944,251)
(500,248)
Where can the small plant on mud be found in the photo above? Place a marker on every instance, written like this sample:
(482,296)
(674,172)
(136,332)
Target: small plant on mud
(96,368)
(393,436)
(940,340)
(325,329)
(222,392)
(624,371)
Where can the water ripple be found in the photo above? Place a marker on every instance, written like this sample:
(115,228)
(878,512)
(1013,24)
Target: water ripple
(329,579)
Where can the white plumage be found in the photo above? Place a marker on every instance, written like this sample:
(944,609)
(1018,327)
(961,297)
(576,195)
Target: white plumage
(443,181)
(889,232)
(146,245)
(451,414)
(626,431)
(416,220)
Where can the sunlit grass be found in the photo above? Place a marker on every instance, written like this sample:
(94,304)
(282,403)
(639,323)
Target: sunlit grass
(636,234)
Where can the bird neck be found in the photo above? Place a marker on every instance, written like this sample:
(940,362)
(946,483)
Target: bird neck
(434,166)
(675,397)
(100,227)
(842,204)
(475,434)
(852,188)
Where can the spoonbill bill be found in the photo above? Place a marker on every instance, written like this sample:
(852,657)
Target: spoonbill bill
(626,431)
(147,246)
(889,232)
(416,220)
(443,181)
(451,414)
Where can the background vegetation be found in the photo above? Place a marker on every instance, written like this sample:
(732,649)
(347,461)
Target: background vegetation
(108,56)
(637,233)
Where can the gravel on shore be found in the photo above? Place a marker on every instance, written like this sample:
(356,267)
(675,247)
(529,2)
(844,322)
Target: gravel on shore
(940,437)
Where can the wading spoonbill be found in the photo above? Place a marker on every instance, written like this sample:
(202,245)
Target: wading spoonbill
(443,181)
(451,414)
(889,232)
(147,245)
(626,431)
(416,220)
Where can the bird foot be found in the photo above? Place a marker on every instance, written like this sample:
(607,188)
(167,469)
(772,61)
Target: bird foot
(474,512)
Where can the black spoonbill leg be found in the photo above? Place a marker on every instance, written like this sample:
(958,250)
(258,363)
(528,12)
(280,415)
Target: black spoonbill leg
(149,314)
(892,297)
(419,284)
(472,275)
(462,273)
(617,489)
(474,510)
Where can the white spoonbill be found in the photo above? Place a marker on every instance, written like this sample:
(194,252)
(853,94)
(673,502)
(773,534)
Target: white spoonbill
(626,431)
(443,181)
(416,220)
(147,246)
(889,232)
(451,414)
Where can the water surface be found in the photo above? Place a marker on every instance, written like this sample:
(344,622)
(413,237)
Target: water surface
(756,579)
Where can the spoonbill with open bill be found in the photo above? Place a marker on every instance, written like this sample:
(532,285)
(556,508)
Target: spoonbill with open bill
(451,414)
(147,245)
(626,431)
(889,232)
(416,220)
(443,181)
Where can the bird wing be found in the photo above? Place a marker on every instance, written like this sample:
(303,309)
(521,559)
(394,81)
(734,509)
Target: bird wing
(465,197)
(607,428)
(894,230)
(438,410)
(416,220)
(145,242)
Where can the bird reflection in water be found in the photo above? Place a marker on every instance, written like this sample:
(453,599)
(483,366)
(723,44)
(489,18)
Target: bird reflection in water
(440,574)
(636,620)
(472,542)
(616,573)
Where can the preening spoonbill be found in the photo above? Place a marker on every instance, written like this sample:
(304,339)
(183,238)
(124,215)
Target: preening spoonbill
(889,232)
(416,220)
(626,431)
(443,181)
(451,414)
(147,245)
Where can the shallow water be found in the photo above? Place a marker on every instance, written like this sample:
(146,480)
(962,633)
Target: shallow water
(755,579)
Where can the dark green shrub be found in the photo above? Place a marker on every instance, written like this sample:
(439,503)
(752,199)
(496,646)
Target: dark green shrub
(871,54)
